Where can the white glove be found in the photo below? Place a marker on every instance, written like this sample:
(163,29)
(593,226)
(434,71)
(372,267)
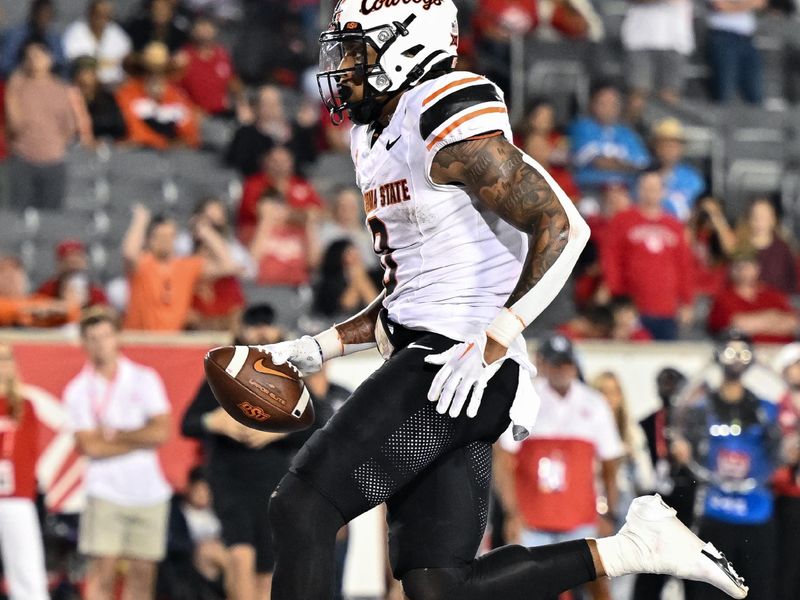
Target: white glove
(463,369)
(303,353)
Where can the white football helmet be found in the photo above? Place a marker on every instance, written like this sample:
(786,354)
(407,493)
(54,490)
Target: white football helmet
(410,38)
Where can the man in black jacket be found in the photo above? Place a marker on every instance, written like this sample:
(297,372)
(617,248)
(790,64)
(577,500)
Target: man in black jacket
(244,465)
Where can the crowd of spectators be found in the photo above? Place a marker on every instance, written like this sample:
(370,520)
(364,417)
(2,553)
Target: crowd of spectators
(666,260)
(160,79)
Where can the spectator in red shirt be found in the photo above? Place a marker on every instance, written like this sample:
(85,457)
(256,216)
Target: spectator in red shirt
(284,247)
(786,482)
(23,554)
(760,231)
(207,77)
(646,257)
(752,306)
(217,304)
(72,270)
(278,172)
(712,241)
(589,284)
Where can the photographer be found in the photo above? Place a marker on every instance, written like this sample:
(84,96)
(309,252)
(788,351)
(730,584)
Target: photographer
(729,438)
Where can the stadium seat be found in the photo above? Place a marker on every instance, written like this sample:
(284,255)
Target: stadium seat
(289,303)
(86,179)
(332,170)
(201,174)
(139,176)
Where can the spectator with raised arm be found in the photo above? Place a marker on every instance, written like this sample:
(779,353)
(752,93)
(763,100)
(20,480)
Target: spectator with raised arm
(162,284)
(286,242)
(217,303)
(712,241)
(119,413)
(604,150)
(101,37)
(43,116)
(752,306)
(732,55)
(646,257)
(683,183)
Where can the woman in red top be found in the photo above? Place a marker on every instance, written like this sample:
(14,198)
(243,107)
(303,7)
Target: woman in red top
(20,536)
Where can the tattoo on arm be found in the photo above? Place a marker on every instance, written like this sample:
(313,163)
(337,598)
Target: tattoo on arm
(360,329)
(492,169)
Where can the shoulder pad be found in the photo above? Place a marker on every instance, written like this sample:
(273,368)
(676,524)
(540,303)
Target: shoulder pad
(452,98)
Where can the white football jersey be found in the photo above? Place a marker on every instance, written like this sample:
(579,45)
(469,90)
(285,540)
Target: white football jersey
(449,263)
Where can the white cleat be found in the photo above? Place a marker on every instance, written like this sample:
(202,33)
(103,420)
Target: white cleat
(653,540)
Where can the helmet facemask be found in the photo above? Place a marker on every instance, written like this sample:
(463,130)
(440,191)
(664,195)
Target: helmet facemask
(354,42)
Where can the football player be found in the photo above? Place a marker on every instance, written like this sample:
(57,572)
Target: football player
(475,239)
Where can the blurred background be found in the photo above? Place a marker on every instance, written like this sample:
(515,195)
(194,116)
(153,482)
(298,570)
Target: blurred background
(171,159)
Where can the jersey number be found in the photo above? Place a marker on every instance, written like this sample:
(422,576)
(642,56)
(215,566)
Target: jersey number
(380,243)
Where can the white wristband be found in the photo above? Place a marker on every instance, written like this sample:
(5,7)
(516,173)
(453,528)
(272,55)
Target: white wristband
(506,327)
(330,344)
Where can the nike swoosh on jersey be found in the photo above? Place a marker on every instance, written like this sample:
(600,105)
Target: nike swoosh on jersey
(389,144)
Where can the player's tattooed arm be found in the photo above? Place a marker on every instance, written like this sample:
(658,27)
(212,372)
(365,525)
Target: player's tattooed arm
(493,170)
(360,328)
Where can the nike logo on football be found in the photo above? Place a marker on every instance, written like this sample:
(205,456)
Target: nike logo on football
(390,144)
(259,366)
(415,345)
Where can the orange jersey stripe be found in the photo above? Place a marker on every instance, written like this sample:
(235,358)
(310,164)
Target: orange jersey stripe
(450,85)
(464,119)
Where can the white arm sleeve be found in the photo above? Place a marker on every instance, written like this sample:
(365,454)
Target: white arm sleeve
(511,321)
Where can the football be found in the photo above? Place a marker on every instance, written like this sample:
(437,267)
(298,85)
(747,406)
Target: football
(258,393)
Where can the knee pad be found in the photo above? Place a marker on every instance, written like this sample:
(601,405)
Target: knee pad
(433,584)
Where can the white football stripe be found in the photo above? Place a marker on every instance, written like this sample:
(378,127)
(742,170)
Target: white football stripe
(300,408)
(237,362)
